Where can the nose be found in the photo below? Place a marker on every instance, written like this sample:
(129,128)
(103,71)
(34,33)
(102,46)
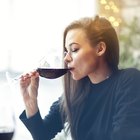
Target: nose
(67,57)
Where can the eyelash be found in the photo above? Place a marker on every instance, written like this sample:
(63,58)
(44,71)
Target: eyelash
(74,50)
(71,51)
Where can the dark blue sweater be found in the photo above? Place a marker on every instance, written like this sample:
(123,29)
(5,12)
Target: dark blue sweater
(111,112)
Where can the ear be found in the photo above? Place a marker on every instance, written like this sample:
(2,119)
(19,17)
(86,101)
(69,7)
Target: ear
(101,48)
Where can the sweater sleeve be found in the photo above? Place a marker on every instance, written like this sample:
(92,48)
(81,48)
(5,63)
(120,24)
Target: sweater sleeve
(47,128)
(126,121)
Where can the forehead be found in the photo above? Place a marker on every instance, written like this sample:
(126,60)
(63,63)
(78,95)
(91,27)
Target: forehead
(75,35)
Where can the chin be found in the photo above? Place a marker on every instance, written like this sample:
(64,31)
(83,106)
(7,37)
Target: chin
(76,77)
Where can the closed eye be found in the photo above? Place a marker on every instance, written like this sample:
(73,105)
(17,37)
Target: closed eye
(74,50)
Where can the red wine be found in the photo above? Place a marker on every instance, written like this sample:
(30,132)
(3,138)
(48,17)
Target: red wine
(52,73)
(6,135)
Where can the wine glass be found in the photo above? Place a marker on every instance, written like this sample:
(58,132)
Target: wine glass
(7,116)
(45,69)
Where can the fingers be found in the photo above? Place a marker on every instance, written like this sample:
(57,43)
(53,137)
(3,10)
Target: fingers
(29,83)
(30,75)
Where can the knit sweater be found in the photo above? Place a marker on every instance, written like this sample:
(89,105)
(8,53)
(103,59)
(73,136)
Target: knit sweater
(111,111)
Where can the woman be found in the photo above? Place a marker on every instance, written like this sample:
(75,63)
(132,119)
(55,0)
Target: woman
(100,101)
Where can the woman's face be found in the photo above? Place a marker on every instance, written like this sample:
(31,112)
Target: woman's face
(81,57)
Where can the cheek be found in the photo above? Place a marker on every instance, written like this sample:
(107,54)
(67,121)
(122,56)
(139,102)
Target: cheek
(88,67)
(84,66)
(87,62)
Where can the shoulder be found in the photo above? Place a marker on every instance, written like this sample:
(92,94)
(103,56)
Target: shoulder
(128,88)
(132,71)
(128,81)
(129,74)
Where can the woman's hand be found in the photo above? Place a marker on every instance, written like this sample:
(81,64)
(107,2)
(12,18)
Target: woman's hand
(29,84)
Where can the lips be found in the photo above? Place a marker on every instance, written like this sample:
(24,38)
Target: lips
(71,69)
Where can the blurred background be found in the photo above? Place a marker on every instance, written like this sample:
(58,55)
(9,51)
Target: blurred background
(31,29)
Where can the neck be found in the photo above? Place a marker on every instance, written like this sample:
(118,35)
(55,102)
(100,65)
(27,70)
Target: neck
(100,75)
